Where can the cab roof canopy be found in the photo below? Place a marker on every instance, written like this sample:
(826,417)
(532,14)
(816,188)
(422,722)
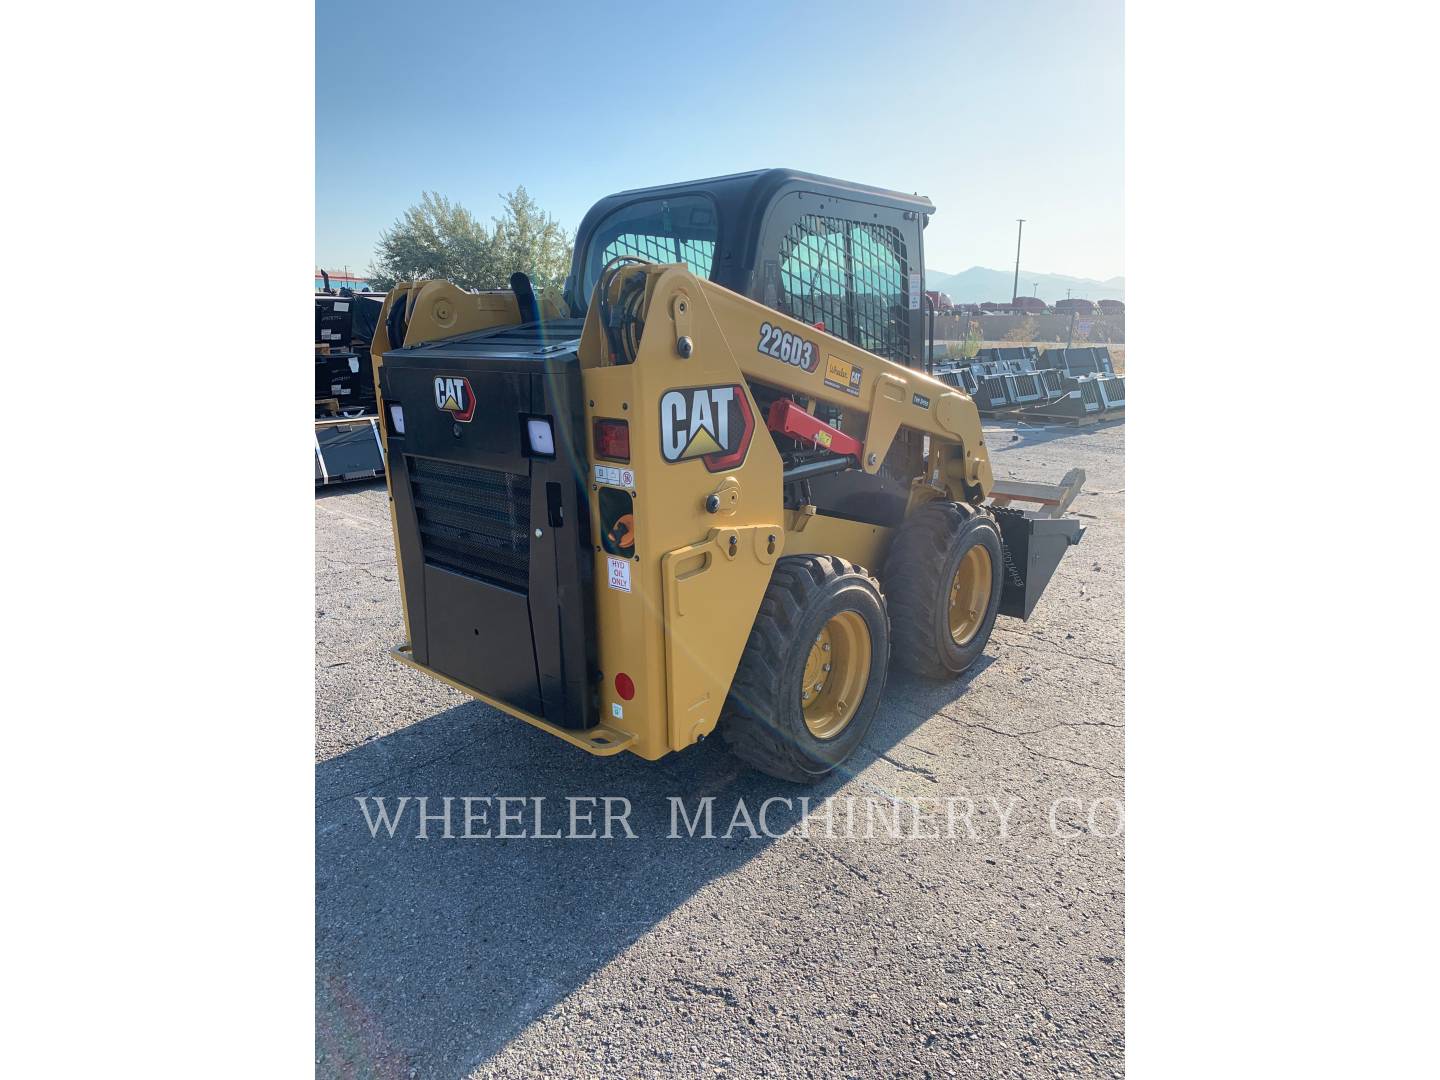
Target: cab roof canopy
(739,204)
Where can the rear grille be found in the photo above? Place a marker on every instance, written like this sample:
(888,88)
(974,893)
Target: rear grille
(473,521)
(1090,393)
(995,390)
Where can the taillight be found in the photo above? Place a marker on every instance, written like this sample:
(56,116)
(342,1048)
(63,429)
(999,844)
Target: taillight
(612,440)
(625,686)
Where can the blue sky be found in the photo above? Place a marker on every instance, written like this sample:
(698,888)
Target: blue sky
(995,111)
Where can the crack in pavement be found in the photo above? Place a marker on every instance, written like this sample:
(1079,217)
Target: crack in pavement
(1012,644)
(920,769)
(857,872)
(371,785)
(722,992)
(350,517)
(1019,737)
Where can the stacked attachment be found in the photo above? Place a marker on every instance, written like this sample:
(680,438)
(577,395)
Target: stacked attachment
(1072,385)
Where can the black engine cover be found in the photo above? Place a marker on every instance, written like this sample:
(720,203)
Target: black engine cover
(493,536)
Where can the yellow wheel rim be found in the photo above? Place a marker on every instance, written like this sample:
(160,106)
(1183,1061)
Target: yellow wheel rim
(836,674)
(969,594)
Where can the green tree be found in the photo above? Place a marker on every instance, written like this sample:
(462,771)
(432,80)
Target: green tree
(436,238)
(971,347)
(531,241)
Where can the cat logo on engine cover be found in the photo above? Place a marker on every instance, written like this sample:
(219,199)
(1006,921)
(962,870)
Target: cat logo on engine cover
(453,395)
(712,423)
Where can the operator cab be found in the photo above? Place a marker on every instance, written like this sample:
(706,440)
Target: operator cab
(847,258)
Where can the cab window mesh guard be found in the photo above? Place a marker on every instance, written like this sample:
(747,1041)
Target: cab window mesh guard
(697,254)
(851,276)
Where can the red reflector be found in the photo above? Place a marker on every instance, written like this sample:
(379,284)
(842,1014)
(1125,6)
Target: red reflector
(625,686)
(612,439)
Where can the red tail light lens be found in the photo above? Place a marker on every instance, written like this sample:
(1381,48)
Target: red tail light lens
(612,440)
(625,686)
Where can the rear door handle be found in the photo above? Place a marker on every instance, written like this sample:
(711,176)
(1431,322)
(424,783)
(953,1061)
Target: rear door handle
(554,506)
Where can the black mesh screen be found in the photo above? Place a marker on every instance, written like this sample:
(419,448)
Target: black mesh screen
(473,521)
(852,277)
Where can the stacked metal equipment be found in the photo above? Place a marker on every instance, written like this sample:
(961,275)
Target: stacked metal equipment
(1076,385)
(347,441)
(1001,380)
(1088,387)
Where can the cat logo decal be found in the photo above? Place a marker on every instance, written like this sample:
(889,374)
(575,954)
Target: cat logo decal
(712,423)
(453,395)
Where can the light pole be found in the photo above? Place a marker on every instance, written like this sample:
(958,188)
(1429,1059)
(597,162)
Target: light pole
(1015,289)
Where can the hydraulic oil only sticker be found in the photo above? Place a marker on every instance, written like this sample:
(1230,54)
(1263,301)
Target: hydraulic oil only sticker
(619,574)
(608,474)
(843,375)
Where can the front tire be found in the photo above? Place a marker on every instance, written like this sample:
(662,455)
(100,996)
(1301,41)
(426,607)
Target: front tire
(813,669)
(942,577)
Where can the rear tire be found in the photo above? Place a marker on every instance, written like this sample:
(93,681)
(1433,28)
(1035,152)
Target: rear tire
(797,709)
(945,563)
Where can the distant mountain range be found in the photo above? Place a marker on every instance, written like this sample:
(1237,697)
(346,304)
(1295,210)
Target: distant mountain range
(980,283)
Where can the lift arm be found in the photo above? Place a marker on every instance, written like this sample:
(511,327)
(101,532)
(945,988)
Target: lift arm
(875,395)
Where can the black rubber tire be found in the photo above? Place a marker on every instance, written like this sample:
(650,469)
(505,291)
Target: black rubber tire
(763,723)
(918,572)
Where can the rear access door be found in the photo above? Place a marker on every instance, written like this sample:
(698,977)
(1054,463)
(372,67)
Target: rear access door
(486,478)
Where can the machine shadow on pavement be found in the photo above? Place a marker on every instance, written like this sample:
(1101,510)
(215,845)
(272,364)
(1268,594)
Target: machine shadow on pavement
(433,954)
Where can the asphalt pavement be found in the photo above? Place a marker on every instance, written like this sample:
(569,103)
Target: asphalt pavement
(984,939)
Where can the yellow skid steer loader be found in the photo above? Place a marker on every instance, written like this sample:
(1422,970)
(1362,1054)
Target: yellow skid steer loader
(712,487)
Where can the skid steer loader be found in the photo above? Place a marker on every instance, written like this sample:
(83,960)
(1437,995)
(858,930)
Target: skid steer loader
(717,491)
